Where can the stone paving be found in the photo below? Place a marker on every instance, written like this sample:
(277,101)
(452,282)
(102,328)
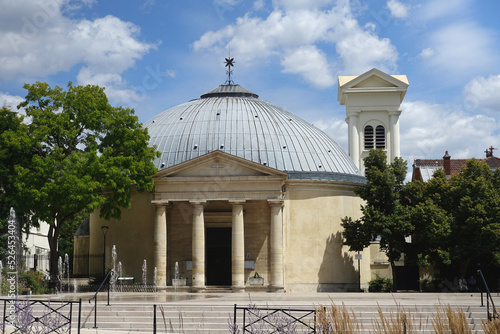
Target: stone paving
(194,300)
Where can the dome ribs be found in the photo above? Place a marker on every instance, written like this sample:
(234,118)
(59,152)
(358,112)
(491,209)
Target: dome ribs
(252,129)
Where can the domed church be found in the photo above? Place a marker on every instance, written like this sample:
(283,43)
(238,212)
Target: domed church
(247,189)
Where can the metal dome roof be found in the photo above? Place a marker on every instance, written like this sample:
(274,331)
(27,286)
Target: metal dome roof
(232,119)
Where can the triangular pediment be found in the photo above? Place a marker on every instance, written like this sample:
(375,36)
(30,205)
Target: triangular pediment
(218,164)
(373,80)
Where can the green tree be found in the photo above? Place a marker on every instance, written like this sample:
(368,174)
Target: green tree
(384,218)
(15,147)
(431,223)
(86,155)
(474,203)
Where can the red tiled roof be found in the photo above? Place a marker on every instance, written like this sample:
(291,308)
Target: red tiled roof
(455,164)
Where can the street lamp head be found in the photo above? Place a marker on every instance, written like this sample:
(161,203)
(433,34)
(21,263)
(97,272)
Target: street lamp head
(104,229)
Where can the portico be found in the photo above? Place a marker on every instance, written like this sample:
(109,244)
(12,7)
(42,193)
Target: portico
(235,194)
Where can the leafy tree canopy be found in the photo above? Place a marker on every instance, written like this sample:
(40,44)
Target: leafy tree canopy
(383,216)
(474,203)
(84,155)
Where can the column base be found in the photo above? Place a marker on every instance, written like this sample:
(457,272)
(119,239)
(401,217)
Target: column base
(276,288)
(161,288)
(237,288)
(197,289)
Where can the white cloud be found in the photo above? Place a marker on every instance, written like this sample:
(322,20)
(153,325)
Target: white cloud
(428,130)
(294,26)
(311,63)
(426,53)
(39,40)
(462,49)
(301,4)
(433,10)
(258,4)
(397,9)
(483,93)
(108,44)
(10,101)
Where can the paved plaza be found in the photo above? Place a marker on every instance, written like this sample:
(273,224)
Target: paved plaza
(178,300)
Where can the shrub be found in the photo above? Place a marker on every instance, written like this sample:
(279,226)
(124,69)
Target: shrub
(380,284)
(33,280)
(428,285)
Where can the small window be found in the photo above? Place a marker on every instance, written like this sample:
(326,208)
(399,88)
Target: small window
(368,137)
(380,137)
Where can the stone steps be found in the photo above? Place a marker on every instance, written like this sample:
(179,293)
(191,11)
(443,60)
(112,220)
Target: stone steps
(182,318)
(214,319)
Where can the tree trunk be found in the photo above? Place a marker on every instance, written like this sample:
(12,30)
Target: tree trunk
(54,255)
(393,267)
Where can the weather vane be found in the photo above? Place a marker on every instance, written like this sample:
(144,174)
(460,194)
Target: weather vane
(229,64)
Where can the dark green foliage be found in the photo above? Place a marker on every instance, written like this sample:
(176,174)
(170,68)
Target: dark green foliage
(77,154)
(34,281)
(380,284)
(383,215)
(430,285)
(452,222)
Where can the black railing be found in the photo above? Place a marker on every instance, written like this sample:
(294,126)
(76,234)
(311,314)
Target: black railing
(489,298)
(278,320)
(51,317)
(104,281)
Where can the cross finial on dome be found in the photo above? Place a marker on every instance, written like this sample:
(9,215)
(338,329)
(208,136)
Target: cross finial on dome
(229,64)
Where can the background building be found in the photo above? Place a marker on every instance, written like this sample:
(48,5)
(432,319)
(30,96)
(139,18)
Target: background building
(423,169)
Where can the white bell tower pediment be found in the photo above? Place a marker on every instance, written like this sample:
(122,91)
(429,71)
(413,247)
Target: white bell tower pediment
(373,105)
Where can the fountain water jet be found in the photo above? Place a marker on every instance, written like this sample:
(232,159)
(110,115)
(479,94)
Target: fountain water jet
(75,286)
(59,273)
(176,276)
(66,269)
(144,272)
(155,279)
(119,273)
(113,277)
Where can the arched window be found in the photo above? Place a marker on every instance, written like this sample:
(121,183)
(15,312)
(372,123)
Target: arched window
(380,137)
(368,137)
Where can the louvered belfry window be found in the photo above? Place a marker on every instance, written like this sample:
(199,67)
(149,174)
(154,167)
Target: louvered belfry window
(369,143)
(380,137)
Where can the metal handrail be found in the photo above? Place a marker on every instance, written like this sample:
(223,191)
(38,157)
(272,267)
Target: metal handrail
(253,311)
(489,298)
(28,307)
(111,272)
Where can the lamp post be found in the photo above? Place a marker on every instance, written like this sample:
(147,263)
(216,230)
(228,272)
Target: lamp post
(104,230)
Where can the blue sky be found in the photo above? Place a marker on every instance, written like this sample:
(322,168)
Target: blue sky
(152,55)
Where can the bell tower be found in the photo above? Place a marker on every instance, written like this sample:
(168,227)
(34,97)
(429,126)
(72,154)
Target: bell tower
(373,105)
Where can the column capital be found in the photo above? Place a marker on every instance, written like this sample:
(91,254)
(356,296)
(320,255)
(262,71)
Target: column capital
(161,202)
(396,112)
(198,202)
(276,202)
(353,112)
(237,201)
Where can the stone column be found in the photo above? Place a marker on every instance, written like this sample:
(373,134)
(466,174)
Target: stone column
(394,133)
(160,244)
(276,239)
(354,134)
(198,247)
(238,248)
